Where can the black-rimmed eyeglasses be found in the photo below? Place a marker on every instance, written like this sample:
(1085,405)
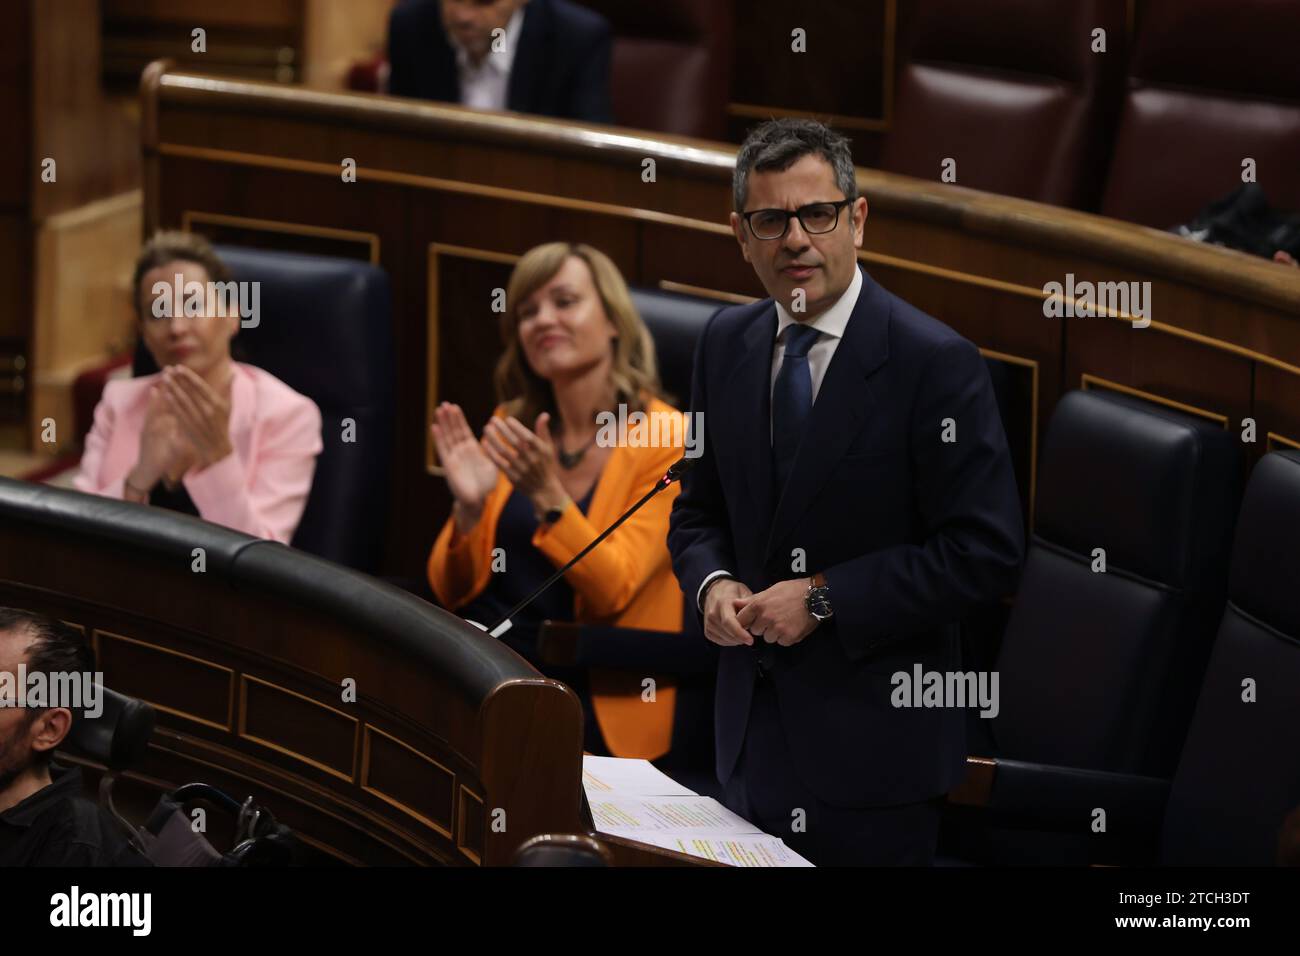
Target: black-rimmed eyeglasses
(816,218)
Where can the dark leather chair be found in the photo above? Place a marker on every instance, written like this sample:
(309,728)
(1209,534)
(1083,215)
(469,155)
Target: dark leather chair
(1209,85)
(675,322)
(1239,774)
(1240,770)
(326,331)
(1101,670)
(671,68)
(1011,90)
(117,739)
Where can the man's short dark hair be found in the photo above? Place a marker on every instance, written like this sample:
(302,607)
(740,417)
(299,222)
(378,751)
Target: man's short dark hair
(778,144)
(56,648)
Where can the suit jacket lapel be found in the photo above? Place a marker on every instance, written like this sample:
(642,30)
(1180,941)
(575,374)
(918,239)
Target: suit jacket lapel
(843,404)
(440,77)
(748,403)
(529,69)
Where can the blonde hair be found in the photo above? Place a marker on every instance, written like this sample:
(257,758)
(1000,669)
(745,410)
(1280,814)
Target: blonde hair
(634,373)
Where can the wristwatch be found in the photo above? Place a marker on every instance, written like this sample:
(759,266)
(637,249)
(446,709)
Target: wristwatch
(552,515)
(818,600)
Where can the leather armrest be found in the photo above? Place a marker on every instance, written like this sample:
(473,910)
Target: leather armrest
(569,644)
(1046,797)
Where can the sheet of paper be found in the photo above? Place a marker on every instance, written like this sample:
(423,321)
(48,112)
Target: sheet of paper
(636,800)
(739,850)
(602,776)
(633,817)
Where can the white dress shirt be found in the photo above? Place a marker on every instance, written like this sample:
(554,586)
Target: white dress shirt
(486,86)
(831,324)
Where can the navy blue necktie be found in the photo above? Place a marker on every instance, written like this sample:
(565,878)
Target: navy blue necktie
(792,401)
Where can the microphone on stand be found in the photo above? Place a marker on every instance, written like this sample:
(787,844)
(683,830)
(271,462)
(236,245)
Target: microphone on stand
(674,473)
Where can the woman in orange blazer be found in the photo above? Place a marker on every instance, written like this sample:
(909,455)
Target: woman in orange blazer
(528,497)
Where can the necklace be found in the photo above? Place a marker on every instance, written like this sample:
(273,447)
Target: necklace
(570,459)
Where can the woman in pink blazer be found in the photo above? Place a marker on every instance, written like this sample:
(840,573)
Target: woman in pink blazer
(208,436)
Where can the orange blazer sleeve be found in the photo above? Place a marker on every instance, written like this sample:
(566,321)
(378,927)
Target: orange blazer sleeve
(460,565)
(608,578)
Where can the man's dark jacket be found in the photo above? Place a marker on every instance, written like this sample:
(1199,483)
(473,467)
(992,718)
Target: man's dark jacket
(910,530)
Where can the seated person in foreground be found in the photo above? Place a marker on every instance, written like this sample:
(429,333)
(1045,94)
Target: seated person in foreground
(44,819)
(541,484)
(551,58)
(206,436)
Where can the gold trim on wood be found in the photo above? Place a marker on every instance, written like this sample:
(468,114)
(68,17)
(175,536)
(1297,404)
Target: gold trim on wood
(237,158)
(734,298)
(228,726)
(437,249)
(189,217)
(1090,380)
(1033,367)
(243,734)
(967,278)
(370,730)
(462,816)
(1275,439)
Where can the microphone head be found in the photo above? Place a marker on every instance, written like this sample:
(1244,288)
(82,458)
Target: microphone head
(678,468)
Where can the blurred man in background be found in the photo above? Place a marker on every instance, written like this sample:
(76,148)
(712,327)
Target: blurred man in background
(549,57)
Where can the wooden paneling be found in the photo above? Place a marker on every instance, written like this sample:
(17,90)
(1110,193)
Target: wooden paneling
(83,311)
(1277,406)
(845,75)
(88,133)
(446,730)
(183,685)
(54,108)
(454,195)
(261,39)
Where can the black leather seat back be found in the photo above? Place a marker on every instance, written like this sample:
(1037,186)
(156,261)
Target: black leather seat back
(118,736)
(675,321)
(1240,770)
(1100,670)
(325,330)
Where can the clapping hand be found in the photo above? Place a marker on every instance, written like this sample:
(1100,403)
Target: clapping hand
(471,475)
(164,450)
(202,412)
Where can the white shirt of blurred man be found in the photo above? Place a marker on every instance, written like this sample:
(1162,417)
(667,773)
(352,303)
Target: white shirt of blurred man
(484,72)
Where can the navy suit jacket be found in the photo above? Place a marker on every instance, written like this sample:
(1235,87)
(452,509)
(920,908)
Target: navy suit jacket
(910,531)
(561,68)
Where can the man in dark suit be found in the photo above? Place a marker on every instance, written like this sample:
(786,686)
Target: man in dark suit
(549,57)
(854,498)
